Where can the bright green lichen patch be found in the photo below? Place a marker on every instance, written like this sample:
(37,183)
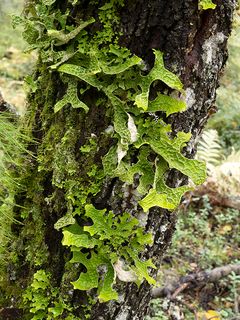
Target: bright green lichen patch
(70,97)
(166,104)
(168,156)
(158,72)
(42,299)
(110,238)
(207,4)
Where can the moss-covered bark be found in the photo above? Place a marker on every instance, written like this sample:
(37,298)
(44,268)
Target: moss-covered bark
(66,170)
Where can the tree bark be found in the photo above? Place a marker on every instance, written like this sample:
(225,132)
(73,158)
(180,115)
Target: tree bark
(194,45)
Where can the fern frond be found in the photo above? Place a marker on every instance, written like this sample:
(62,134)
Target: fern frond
(234,156)
(227,174)
(209,149)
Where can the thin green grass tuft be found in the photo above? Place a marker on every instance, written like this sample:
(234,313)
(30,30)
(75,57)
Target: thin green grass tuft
(13,154)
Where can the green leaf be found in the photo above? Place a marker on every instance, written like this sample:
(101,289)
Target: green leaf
(57,310)
(105,291)
(63,38)
(101,224)
(109,161)
(49,2)
(116,69)
(87,75)
(143,238)
(170,150)
(41,275)
(31,83)
(30,33)
(90,279)
(107,234)
(194,169)
(107,6)
(158,72)
(71,97)
(206,4)
(40,280)
(141,267)
(75,236)
(59,57)
(174,195)
(155,199)
(64,221)
(143,167)
(166,104)
(106,227)
(120,120)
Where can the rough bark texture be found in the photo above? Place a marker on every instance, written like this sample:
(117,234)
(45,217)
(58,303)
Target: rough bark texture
(194,46)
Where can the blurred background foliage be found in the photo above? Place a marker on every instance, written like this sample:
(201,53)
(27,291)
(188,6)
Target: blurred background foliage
(14,63)
(227,120)
(208,231)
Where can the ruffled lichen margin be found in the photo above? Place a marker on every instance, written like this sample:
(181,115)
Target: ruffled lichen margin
(102,150)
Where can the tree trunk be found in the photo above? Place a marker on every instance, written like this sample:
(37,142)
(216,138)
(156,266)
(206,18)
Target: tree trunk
(63,176)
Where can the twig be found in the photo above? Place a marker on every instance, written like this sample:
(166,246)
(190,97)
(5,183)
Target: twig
(194,280)
(180,289)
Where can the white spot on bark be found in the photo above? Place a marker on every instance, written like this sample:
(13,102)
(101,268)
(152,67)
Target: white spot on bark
(123,315)
(132,129)
(163,228)
(210,47)
(190,97)
(121,298)
(142,218)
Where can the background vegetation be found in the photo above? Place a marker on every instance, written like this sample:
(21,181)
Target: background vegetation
(207,233)
(15,64)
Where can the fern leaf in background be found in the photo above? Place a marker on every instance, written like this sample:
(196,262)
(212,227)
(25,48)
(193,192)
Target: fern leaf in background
(209,149)
(227,174)
(225,171)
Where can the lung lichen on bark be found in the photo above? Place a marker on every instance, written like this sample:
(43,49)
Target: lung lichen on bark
(104,85)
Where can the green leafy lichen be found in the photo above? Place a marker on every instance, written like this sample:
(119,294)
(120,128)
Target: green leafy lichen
(96,73)
(109,238)
(71,97)
(43,299)
(158,72)
(206,4)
